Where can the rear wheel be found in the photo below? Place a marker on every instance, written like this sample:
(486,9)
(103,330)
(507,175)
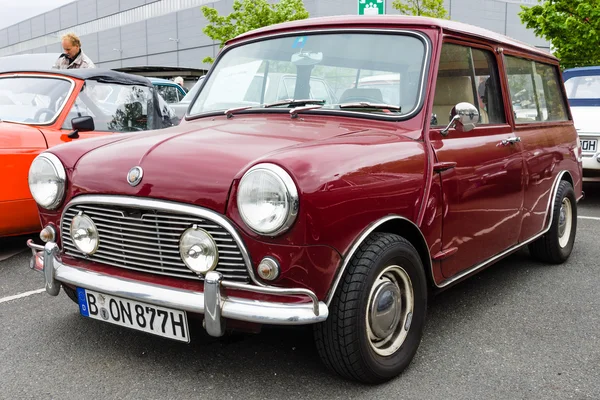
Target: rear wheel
(377,314)
(556,245)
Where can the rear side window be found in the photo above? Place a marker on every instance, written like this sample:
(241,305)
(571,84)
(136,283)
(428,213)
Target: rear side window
(535,91)
(469,75)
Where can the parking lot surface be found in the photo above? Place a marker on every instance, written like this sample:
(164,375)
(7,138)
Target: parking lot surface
(518,330)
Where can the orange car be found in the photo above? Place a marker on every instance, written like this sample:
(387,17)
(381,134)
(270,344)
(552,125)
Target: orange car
(41,109)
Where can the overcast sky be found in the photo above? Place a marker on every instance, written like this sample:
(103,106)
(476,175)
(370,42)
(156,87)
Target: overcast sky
(15,11)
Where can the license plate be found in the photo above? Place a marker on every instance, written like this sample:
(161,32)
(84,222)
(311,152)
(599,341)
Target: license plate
(589,145)
(160,321)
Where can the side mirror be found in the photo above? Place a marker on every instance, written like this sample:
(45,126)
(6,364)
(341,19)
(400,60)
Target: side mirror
(83,124)
(464,118)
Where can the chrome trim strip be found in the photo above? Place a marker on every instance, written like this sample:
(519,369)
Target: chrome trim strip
(276,291)
(48,76)
(357,244)
(168,206)
(515,247)
(262,312)
(424,67)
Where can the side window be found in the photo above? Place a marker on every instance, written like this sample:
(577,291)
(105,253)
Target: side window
(535,91)
(168,93)
(467,75)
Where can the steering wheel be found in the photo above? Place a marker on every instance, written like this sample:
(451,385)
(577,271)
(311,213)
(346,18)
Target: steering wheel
(41,112)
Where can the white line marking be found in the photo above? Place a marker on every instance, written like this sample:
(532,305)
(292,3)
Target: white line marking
(18,296)
(594,218)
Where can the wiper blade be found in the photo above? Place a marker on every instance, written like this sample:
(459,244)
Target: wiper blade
(234,110)
(366,104)
(294,103)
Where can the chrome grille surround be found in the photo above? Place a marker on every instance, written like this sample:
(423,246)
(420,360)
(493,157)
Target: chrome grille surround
(143,235)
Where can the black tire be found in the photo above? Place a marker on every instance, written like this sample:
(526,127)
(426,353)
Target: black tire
(548,248)
(343,339)
(71,293)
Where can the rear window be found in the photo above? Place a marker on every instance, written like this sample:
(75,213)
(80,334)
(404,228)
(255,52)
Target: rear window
(535,91)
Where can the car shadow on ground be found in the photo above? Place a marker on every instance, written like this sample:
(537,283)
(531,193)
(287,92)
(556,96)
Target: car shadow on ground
(285,355)
(13,245)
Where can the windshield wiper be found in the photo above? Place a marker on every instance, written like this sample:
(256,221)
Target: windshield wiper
(295,103)
(231,111)
(366,104)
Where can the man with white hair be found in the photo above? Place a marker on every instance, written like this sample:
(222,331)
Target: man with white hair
(72,57)
(179,80)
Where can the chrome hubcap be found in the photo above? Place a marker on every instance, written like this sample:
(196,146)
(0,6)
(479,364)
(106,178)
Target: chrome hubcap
(389,312)
(565,220)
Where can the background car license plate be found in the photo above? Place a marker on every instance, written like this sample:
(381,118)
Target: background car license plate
(589,145)
(160,321)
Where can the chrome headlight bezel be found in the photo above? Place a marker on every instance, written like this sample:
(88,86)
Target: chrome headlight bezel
(60,177)
(289,192)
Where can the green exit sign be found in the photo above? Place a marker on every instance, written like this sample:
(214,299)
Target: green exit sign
(371,7)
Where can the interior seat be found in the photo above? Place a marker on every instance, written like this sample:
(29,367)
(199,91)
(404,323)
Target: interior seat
(451,90)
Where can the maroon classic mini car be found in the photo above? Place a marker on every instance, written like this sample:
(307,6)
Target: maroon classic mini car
(343,209)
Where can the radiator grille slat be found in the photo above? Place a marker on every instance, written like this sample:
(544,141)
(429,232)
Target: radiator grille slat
(148,241)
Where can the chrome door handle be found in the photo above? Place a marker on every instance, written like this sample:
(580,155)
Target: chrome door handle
(510,140)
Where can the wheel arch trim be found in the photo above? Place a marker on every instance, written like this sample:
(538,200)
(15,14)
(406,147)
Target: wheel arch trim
(363,236)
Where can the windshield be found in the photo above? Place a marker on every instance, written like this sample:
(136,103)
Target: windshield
(114,107)
(32,100)
(340,69)
(583,87)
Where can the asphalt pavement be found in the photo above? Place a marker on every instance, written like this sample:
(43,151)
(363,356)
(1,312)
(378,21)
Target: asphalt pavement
(518,330)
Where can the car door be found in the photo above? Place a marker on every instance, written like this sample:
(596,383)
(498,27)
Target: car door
(481,170)
(19,145)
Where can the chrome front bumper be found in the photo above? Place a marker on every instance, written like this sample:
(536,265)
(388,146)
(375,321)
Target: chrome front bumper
(212,303)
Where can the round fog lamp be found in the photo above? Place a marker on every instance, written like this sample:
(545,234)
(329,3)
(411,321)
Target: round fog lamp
(198,250)
(84,234)
(268,269)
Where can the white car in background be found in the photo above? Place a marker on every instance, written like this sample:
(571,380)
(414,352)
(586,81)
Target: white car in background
(583,92)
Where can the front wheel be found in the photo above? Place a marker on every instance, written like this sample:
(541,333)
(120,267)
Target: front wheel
(377,314)
(556,245)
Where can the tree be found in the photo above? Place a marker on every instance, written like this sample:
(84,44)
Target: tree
(425,8)
(248,15)
(571,26)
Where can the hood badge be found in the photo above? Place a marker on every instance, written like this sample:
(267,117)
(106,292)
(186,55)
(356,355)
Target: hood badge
(134,176)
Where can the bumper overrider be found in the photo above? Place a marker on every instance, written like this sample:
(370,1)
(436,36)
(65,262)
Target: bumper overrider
(212,302)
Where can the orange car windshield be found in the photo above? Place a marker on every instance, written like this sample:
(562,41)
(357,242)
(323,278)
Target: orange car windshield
(32,100)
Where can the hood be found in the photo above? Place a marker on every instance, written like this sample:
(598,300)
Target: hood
(586,119)
(197,162)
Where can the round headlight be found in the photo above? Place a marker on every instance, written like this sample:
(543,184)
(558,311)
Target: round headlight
(84,234)
(267,199)
(47,179)
(198,250)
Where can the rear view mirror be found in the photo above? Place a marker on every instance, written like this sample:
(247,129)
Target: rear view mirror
(306,58)
(464,118)
(83,124)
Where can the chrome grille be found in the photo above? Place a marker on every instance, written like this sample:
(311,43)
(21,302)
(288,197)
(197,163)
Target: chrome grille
(148,240)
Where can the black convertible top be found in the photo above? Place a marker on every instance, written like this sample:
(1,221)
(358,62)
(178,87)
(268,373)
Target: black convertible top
(96,74)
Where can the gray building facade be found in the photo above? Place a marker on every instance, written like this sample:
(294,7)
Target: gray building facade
(130,33)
